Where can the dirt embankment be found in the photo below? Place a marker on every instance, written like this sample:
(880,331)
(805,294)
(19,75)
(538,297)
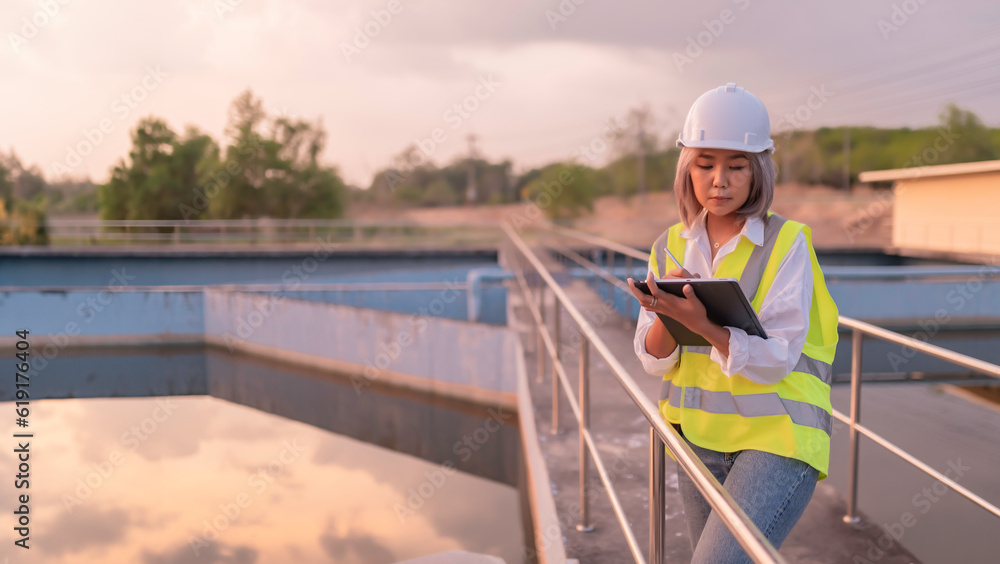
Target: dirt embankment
(861,218)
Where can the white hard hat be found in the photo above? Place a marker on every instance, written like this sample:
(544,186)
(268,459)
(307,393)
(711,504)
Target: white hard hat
(728,117)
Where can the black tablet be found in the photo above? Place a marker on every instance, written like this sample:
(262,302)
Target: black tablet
(725,304)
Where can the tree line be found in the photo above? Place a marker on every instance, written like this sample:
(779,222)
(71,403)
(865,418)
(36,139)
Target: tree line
(270,166)
(644,161)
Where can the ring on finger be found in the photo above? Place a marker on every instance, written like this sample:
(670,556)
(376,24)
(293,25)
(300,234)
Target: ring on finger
(653,303)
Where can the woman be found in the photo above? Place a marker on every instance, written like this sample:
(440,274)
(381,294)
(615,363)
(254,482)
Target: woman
(756,411)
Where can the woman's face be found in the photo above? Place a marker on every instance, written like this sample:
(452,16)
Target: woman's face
(721,179)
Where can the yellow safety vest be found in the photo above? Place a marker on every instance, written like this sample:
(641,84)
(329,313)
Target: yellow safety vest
(792,418)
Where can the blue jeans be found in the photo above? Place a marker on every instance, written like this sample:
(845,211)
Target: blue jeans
(773,491)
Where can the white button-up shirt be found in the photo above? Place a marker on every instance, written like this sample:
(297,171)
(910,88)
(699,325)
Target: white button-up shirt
(784,313)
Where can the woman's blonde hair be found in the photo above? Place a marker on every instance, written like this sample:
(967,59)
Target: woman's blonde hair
(762,176)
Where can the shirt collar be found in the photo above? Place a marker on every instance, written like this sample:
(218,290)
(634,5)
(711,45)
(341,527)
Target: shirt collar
(753,229)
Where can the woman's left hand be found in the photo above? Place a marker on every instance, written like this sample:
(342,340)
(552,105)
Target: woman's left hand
(688,310)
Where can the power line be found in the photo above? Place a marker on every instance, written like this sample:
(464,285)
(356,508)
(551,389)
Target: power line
(961,39)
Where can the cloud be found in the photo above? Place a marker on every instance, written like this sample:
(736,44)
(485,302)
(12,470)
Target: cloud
(354,547)
(213,553)
(85,528)
(560,84)
(130,426)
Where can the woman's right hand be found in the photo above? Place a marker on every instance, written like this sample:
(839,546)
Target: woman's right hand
(680,273)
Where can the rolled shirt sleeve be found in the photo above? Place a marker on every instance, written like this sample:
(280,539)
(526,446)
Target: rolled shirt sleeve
(653,366)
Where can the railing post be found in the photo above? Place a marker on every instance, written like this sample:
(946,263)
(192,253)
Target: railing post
(610,266)
(555,361)
(541,326)
(584,424)
(628,301)
(852,483)
(657,496)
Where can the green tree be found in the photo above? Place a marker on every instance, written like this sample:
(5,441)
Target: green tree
(412,180)
(6,188)
(972,140)
(564,190)
(272,168)
(623,173)
(163,171)
(26,182)
(23,202)
(28,221)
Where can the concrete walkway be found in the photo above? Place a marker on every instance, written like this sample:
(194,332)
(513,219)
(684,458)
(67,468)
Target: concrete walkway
(622,435)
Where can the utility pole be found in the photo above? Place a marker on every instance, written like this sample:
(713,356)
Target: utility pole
(847,159)
(640,117)
(470,185)
(641,188)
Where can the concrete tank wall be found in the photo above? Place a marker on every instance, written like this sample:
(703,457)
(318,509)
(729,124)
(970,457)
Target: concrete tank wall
(451,357)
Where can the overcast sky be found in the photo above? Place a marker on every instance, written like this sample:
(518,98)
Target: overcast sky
(534,79)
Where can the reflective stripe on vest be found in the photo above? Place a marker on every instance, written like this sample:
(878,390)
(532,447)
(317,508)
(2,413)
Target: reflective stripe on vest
(749,405)
(806,364)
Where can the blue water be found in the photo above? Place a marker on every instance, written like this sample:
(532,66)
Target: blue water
(161,446)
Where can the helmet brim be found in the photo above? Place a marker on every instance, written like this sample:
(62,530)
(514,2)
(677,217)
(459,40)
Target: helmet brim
(730,145)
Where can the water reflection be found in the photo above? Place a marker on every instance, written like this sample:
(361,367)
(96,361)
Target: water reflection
(218,482)
(275,465)
(480,440)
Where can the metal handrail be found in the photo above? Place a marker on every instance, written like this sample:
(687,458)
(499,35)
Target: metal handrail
(735,519)
(252,230)
(559,371)
(601,242)
(859,330)
(245,222)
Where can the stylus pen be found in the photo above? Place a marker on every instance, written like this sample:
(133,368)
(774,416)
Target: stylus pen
(673,258)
